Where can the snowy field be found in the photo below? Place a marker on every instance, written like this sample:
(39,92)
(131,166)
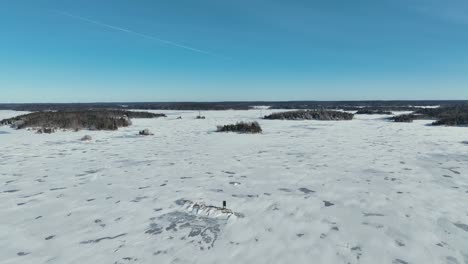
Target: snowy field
(360,191)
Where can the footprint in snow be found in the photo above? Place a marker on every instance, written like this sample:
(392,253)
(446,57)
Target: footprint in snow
(305,190)
(372,214)
(451,260)
(462,226)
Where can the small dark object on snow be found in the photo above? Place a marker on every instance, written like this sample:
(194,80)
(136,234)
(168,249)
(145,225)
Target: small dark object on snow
(86,138)
(145,132)
(224,204)
(199,116)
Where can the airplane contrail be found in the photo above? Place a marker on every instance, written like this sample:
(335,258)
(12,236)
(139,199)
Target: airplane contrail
(164,41)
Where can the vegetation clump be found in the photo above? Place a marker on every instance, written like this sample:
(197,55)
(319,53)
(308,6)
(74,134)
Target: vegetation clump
(75,120)
(241,127)
(311,115)
(448,116)
(407,118)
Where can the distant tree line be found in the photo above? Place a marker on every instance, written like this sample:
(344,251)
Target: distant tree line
(369,111)
(344,105)
(359,105)
(85,119)
(311,115)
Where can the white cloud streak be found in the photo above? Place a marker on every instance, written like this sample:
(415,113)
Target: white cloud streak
(163,41)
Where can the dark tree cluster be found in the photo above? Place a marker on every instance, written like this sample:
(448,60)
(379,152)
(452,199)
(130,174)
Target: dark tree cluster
(241,127)
(448,116)
(311,115)
(407,118)
(459,119)
(91,119)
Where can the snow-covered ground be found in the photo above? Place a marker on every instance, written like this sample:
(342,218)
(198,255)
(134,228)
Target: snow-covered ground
(361,191)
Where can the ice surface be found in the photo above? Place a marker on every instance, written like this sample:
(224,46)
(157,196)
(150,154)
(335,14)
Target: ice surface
(360,191)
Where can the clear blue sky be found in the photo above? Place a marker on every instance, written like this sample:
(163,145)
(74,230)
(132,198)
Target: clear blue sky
(210,50)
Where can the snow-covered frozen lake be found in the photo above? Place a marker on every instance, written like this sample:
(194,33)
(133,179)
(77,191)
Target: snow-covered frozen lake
(360,191)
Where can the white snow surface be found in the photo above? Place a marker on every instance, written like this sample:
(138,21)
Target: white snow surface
(360,191)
